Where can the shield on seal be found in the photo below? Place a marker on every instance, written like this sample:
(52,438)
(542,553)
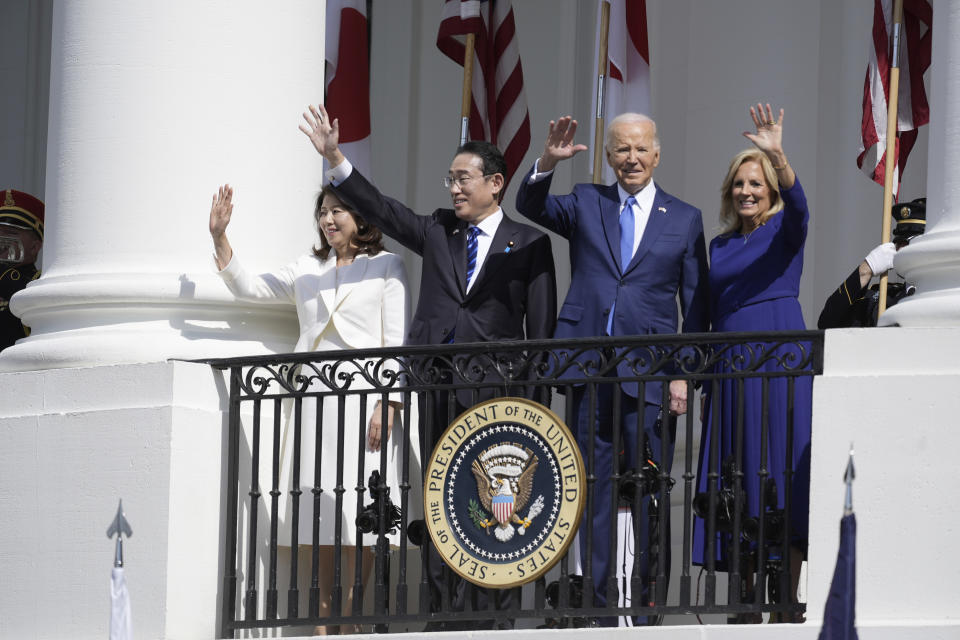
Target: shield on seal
(502,508)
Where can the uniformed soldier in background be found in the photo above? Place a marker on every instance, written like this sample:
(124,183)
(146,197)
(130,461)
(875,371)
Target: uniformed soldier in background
(853,304)
(21,237)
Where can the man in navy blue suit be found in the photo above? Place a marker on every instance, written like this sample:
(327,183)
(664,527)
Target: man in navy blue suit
(633,250)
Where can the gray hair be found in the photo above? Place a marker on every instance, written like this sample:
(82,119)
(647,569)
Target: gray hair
(632,118)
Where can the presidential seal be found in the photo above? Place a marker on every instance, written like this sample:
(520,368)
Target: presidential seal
(504,492)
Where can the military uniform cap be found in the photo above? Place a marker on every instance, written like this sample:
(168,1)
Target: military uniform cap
(22,210)
(911,218)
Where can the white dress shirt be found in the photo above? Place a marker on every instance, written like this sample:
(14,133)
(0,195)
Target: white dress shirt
(641,210)
(488,227)
(339,173)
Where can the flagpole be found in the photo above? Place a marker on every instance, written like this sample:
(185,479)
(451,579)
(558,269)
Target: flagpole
(601,77)
(467,88)
(120,622)
(889,163)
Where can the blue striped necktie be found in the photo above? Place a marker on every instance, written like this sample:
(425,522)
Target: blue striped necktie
(472,233)
(626,249)
(472,252)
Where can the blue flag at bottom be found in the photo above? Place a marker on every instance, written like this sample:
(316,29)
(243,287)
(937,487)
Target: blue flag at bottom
(839,613)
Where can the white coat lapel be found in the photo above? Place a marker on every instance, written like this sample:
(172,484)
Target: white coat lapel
(349,278)
(327,283)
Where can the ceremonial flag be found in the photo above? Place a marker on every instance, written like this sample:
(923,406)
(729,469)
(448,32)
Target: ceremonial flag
(912,108)
(839,613)
(347,81)
(627,86)
(498,112)
(120,621)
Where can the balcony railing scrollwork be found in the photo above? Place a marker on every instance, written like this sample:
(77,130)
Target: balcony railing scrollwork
(281,404)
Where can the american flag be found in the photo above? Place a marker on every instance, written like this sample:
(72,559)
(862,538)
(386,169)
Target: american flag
(627,86)
(912,108)
(498,112)
(348,78)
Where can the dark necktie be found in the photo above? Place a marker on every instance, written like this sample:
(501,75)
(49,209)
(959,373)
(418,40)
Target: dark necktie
(626,249)
(472,233)
(472,252)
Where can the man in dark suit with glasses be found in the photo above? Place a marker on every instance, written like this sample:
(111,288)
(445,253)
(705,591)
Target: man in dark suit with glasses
(484,278)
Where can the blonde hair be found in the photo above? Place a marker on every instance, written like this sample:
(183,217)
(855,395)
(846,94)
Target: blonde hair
(729,220)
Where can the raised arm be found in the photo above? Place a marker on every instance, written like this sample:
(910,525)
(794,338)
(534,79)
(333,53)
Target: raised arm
(769,139)
(220,211)
(265,287)
(391,216)
(534,202)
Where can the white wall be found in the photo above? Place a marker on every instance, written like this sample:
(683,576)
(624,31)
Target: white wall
(75,442)
(892,394)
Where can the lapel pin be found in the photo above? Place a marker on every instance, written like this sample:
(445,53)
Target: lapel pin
(509,247)
(456,231)
(664,209)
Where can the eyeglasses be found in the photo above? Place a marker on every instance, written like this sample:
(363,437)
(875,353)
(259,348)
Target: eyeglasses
(449,181)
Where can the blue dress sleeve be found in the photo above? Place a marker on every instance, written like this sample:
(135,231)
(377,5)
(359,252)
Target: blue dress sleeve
(796,215)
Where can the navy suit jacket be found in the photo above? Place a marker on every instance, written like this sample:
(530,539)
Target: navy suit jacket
(671,260)
(514,296)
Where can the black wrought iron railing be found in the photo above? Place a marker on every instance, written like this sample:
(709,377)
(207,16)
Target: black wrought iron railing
(279,405)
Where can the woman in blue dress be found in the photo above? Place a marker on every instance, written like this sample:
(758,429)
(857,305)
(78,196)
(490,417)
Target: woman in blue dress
(755,267)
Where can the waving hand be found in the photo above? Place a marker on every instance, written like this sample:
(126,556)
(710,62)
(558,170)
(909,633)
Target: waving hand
(323,133)
(221,209)
(559,145)
(769,139)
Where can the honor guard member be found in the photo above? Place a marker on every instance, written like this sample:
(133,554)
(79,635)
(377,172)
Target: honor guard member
(21,237)
(854,304)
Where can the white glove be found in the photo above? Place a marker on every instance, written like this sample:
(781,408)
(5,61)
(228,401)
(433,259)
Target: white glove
(880,260)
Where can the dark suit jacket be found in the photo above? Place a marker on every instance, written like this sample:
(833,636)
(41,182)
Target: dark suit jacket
(515,295)
(670,260)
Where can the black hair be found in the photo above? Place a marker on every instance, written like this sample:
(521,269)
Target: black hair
(493,161)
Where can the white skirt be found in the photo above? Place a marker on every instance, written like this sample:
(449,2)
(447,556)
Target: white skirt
(344,440)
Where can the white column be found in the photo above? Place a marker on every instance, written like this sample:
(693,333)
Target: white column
(933,260)
(152,106)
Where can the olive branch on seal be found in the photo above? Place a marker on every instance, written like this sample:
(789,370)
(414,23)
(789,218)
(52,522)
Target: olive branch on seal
(478,515)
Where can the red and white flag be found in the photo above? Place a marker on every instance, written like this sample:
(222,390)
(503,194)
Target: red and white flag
(347,81)
(912,108)
(498,112)
(627,86)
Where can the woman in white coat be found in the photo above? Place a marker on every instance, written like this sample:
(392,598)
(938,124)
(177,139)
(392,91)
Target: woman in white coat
(349,294)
